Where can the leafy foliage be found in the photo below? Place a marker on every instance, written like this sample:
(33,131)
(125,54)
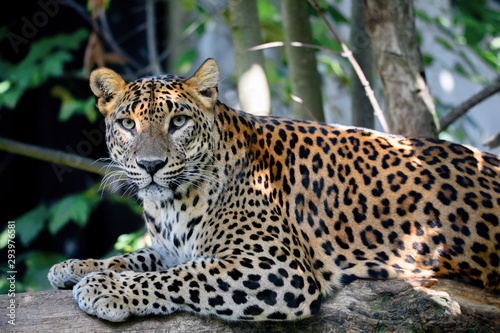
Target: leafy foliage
(132,242)
(28,226)
(470,31)
(185,60)
(74,208)
(472,24)
(45,59)
(71,106)
(38,264)
(481,29)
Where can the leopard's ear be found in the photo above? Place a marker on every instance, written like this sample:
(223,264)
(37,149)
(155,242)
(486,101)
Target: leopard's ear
(205,81)
(107,86)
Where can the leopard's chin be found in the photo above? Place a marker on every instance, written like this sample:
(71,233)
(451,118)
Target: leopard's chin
(155,192)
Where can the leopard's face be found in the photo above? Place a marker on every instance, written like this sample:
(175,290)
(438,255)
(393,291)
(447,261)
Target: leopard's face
(158,131)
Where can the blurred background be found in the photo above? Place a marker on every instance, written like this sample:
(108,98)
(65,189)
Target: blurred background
(49,47)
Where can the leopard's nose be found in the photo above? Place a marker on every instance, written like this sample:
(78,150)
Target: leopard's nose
(153,166)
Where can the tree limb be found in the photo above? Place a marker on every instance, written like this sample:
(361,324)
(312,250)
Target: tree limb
(299,100)
(493,141)
(103,31)
(295,44)
(181,38)
(348,54)
(461,109)
(54,156)
(374,305)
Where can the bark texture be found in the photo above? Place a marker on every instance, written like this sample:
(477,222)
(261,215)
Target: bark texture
(304,78)
(370,306)
(362,114)
(409,107)
(173,26)
(253,89)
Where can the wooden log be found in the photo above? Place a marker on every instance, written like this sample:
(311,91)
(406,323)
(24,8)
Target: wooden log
(379,306)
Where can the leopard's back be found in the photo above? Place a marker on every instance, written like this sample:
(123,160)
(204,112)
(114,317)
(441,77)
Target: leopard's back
(369,205)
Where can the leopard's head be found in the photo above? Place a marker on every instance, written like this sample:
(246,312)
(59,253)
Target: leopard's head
(159,129)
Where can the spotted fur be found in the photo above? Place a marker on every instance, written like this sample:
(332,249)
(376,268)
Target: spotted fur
(259,218)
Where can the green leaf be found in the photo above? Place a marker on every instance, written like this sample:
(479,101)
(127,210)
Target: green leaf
(321,36)
(422,15)
(427,59)
(4,31)
(76,208)
(460,70)
(38,264)
(4,86)
(131,242)
(71,106)
(336,15)
(89,109)
(29,225)
(266,11)
(444,43)
(46,59)
(4,238)
(495,44)
(200,30)
(185,60)
(188,5)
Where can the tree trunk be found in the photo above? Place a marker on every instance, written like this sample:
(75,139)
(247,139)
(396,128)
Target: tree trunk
(151,38)
(409,107)
(364,305)
(362,114)
(253,89)
(173,26)
(304,77)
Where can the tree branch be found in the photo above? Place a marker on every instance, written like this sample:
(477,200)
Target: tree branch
(54,156)
(461,109)
(295,44)
(103,31)
(299,100)
(493,141)
(83,13)
(364,82)
(394,306)
(181,38)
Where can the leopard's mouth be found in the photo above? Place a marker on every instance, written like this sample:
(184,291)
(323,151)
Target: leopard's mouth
(161,189)
(154,192)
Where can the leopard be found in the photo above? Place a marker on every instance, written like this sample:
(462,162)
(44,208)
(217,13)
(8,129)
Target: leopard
(260,218)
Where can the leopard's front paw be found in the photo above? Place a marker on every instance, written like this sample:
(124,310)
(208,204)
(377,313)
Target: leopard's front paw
(106,295)
(67,273)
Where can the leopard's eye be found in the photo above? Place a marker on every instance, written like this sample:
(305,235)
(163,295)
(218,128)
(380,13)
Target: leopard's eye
(178,121)
(127,123)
